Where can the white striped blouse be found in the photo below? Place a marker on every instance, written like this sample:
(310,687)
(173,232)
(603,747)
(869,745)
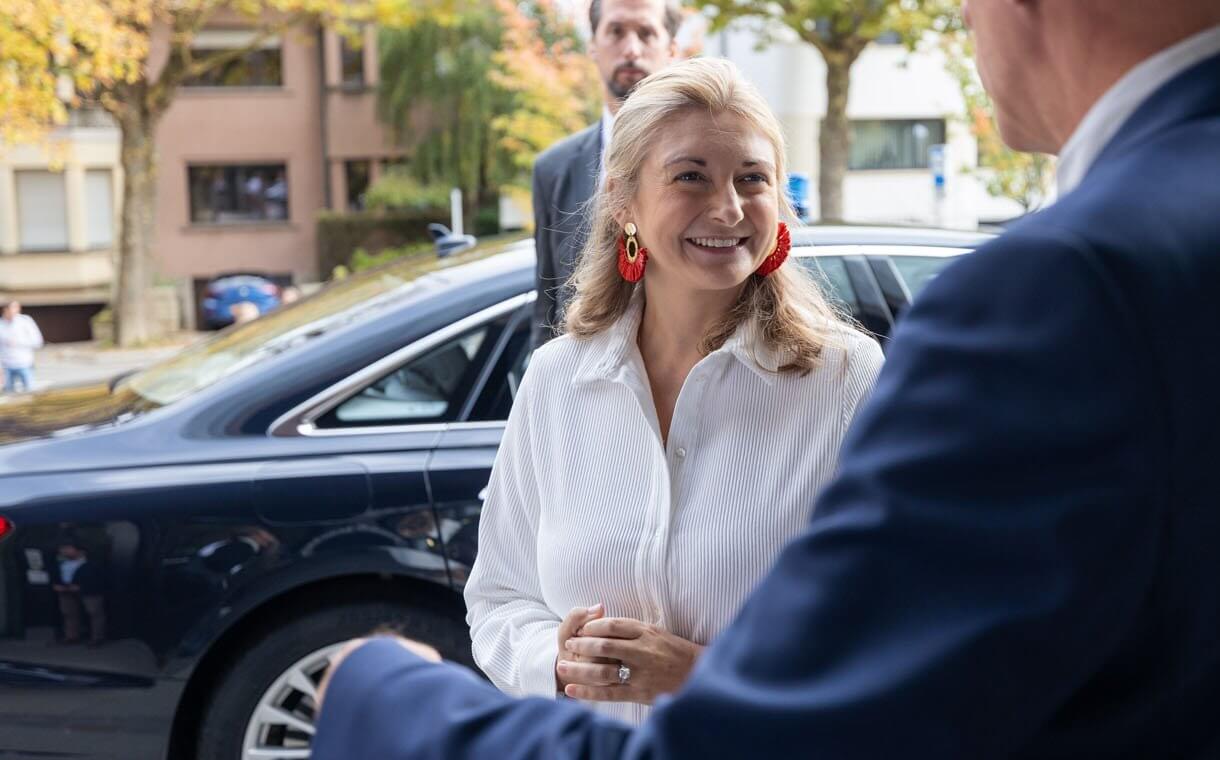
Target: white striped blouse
(585,505)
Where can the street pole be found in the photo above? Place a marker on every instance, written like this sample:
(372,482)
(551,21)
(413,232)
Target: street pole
(936,164)
(455,211)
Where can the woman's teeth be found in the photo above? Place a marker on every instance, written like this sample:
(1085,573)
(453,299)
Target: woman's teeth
(717,242)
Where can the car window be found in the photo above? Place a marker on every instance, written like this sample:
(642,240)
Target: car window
(428,388)
(831,274)
(504,381)
(918,271)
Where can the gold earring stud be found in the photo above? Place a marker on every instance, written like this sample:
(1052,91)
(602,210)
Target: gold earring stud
(633,245)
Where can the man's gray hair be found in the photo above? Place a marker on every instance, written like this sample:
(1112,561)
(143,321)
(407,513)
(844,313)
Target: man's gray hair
(672,20)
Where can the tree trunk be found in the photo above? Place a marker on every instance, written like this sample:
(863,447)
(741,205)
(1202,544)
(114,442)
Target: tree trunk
(834,139)
(138,155)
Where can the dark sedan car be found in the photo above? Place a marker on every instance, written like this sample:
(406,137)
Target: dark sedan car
(181,549)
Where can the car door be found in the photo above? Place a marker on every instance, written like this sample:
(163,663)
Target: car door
(849,282)
(902,275)
(461,465)
(397,419)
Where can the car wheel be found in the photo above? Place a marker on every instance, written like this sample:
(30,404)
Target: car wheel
(263,706)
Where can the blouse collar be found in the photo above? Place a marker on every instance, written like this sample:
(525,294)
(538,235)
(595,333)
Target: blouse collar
(612,351)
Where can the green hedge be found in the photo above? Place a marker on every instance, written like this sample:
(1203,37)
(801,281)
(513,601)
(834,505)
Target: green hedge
(341,235)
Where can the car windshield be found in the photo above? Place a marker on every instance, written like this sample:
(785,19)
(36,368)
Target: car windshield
(337,305)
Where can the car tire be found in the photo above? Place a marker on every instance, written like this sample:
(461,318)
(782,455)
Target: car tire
(227,721)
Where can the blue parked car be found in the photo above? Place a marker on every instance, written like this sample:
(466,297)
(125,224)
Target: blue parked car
(182,549)
(227,291)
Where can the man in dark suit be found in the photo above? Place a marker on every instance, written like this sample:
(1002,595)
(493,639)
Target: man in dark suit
(1019,557)
(631,39)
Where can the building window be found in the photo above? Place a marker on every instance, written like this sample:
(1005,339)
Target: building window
(351,62)
(42,211)
(894,144)
(356,174)
(99,208)
(261,66)
(232,194)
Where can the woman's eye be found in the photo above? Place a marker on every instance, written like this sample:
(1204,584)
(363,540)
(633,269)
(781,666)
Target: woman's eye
(689,177)
(754,178)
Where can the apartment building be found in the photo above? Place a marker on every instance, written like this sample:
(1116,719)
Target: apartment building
(247,156)
(250,153)
(58,222)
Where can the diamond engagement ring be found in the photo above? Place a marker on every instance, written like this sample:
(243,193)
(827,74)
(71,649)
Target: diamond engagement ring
(624,674)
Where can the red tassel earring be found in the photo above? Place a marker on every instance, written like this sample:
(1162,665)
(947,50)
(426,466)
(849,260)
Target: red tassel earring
(631,257)
(783,244)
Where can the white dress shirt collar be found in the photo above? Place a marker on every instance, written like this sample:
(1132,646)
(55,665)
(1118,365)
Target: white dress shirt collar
(617,347)
(1120,102)
(607,130)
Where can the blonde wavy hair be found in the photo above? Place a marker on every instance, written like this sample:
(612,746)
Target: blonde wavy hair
(793,317)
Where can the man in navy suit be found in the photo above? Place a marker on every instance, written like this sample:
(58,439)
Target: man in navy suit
(1021,556)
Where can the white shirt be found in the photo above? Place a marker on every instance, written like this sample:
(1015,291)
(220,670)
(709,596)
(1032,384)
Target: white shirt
(585,505)
(1121,101)
(18,341)
(607,131)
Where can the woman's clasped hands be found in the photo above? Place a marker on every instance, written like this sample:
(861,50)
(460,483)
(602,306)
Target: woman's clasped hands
(593,648)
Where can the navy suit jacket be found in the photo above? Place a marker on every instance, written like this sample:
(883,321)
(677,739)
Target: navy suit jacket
(565,177)
(1021,555)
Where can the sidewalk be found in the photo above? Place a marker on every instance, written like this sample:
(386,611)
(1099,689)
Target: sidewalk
(60,364)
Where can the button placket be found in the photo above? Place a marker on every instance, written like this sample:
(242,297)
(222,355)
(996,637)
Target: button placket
(681,426)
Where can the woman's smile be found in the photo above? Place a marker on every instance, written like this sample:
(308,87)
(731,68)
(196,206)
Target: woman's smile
(719,246)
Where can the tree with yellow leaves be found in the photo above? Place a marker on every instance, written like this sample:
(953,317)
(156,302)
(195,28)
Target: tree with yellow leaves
(131,57)
(553,84)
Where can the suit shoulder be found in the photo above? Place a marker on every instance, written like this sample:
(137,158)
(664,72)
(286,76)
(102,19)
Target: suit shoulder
(1132,205)
(556,157)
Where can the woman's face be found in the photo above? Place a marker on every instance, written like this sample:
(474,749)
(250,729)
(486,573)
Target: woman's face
(707,205)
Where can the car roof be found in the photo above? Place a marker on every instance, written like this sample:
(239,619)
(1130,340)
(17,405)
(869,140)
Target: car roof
(814,240)
(876,249)
(897,236)
(828,240)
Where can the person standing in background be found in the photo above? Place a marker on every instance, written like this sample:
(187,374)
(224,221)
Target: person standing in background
(79,585)
(19,339)
(631,39)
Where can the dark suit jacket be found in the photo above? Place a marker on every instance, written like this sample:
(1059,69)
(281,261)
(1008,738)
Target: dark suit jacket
(1020,556)
(565,176)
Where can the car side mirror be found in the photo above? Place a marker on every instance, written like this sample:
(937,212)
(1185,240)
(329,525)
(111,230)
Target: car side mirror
(446,242)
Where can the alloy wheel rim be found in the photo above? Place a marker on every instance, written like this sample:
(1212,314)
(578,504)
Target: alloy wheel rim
(281,727)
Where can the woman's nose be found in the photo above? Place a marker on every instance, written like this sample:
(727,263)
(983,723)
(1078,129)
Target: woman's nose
(727,206)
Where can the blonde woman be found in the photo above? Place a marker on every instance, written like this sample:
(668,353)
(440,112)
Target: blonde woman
(662,451)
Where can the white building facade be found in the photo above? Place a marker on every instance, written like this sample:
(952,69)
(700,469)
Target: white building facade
(900,104)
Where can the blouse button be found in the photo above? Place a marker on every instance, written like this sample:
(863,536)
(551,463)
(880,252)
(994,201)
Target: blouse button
(681,453)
